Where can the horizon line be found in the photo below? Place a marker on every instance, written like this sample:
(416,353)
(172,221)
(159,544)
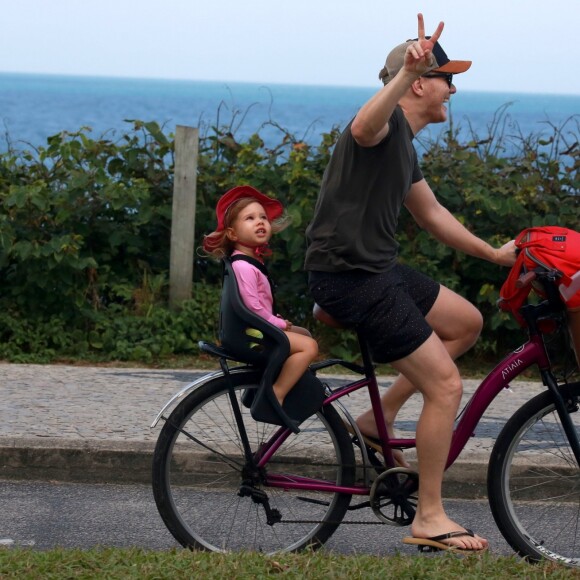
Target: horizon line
(256,83)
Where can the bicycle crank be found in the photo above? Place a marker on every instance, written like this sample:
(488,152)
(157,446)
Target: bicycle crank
(392,496)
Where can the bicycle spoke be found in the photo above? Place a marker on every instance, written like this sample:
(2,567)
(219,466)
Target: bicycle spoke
(237,465)
(199,469)
(534,482)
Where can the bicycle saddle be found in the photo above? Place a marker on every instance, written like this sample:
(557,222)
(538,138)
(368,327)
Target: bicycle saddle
(322,316)
(249,338)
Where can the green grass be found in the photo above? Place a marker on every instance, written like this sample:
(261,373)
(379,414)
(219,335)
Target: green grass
(177,564)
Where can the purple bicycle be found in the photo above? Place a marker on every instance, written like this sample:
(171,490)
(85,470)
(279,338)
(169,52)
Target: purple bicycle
(224,482)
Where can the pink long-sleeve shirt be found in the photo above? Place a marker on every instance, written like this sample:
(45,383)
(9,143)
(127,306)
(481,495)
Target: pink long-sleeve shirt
(256,292)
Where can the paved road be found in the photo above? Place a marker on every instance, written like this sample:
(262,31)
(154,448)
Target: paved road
(74,423)
(60,425)
(44,515)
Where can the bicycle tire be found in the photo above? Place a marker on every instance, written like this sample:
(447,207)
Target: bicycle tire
(534,481)
(196,483)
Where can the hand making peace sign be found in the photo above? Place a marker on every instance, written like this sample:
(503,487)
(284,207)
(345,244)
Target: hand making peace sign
(419,58)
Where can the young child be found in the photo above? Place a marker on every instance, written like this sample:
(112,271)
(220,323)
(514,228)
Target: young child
(246,221)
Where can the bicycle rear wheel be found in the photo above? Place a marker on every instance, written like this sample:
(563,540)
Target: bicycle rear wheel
(534,481)
(199,466)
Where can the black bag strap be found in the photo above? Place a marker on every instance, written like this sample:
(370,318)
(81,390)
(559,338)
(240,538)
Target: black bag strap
(260,266)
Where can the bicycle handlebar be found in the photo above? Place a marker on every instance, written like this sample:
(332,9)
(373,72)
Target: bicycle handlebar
(525,279)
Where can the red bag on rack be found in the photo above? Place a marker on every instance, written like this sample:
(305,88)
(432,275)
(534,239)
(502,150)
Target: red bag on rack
(549,248)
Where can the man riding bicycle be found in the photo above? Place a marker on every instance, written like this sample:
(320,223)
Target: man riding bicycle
(409,320)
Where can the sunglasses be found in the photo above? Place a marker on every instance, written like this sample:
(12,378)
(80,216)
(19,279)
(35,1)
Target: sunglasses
(447,76)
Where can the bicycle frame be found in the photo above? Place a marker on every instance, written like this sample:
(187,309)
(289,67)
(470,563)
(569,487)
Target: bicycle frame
(213,446)
(531,353)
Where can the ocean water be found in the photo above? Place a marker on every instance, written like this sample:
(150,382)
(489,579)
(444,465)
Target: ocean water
(33,107)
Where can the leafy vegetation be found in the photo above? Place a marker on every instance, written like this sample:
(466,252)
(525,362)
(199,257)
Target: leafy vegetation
(85,232)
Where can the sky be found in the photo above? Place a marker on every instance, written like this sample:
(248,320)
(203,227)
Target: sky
(516,45)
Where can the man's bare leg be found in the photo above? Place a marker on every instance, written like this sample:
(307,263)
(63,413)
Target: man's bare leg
(432,370)
(458,324)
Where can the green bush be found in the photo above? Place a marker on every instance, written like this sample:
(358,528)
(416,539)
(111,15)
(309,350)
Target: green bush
(85,231)
(80,218)
(495,195)
(114,333)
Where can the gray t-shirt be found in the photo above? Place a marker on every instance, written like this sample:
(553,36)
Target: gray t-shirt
(362,192)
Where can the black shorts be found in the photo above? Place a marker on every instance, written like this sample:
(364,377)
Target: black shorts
(388,309)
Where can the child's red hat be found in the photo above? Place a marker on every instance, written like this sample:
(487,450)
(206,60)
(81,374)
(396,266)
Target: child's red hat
(274,209)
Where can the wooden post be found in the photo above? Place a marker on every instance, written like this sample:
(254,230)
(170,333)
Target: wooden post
(183,215)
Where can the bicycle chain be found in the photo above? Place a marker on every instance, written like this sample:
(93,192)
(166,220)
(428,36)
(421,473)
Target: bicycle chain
(342,522)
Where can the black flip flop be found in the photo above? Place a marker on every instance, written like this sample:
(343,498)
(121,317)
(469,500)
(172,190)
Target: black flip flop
(371,442)
(434,543)
(368,441)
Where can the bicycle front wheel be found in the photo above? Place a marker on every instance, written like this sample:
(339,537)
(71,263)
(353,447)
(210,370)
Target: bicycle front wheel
(534,481)
(200,475)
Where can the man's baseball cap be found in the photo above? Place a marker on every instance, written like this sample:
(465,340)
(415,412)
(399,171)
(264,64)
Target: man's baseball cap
(442,64)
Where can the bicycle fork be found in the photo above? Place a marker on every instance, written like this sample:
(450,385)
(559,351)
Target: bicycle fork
(564,408)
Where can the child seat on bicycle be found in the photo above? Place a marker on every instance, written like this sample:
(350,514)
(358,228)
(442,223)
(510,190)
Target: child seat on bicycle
(249,338)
